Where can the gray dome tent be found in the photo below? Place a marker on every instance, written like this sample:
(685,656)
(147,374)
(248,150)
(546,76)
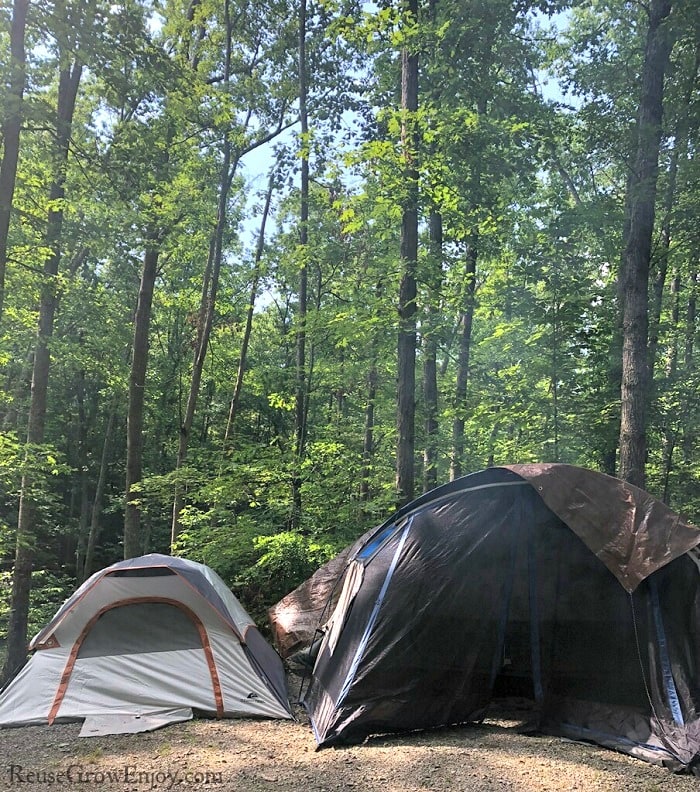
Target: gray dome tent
(144,643)
(585,588)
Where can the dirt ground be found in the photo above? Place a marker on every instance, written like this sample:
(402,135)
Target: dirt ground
(262,756)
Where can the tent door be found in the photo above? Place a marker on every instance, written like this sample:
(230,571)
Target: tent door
(140,626)
(517,664)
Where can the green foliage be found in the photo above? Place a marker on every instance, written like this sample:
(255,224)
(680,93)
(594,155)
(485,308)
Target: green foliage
(284,560)
(49,590)
(530,176)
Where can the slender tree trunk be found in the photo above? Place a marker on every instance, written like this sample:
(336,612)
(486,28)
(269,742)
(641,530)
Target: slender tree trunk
(554,377)
(10,133)
(661,268)
(205,323)
(611,443)
(432,312)
(248,329)
(689,431)
(673,422)
(210,287)
(370,404)
(493,435)
(137,391)
(691,316)
(430,385)
(83,476)
(635,274)
(368,436)
(680,148)
(667,450)
(69,80)
(672,360)
(96,510)
(406,384)
(300,405)
(466,321)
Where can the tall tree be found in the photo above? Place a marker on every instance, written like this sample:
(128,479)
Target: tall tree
(71,68)
(464,344)
(634,277)
(10,132)
(430,344)
(300,399)
(248,328)
(256,127)
(133,542)
(406,379)
(210,284)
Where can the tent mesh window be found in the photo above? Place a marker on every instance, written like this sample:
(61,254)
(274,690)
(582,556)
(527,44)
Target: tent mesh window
(139,628)
(142,572)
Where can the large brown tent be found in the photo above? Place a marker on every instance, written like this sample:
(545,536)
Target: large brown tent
(580,586)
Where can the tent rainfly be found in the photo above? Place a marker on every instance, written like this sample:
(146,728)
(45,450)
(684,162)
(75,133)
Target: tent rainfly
(141,644)
(581,590)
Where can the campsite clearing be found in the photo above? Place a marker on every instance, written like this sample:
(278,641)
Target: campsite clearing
(260,756)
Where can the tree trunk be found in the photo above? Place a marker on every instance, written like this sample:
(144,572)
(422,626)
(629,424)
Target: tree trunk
(466,321)
(406,347)
(10,132)
(680,147)
(137,391)
(210,287)
(635,274)
(368,434)
(611,442)
(69,80)
(368,437)
(96,511)
(82,463)
(247,330)
(430,386)
(689,431)
(206,320)
(300,402)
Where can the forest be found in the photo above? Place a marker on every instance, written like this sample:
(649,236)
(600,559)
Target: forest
(271,268)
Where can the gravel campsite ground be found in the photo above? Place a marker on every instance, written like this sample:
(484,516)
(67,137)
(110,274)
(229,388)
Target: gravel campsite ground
(262,756)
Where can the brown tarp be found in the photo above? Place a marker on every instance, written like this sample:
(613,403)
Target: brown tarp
(296,617)
(631,532)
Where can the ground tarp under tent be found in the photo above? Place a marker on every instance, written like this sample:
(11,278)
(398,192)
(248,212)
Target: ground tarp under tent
(143,643)
(581,587)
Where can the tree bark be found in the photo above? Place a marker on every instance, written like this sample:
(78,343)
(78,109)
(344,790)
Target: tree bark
(368,435)
(689,431)
(96,510)
(137,391)
(611,441)
(466,321)
(69,80)
(248,329)
(82,464)
(635,274)
(10,133)
(300,401)
(406,347)
(430,385)
(680,147)
(210,287)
